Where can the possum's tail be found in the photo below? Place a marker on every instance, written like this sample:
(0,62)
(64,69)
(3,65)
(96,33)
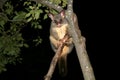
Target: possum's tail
(62,65)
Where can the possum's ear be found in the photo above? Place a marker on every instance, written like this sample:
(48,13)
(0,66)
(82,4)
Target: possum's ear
(62,13)
(51,16)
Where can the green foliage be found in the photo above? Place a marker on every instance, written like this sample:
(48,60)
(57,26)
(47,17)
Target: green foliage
(19,16)
(38,40)
(9,8)
(33,14)
(62,3)
(13,20)
(11,39)
(10,48)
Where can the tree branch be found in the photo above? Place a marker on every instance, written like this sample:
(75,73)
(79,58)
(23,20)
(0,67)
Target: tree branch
(79,42)
(55,59)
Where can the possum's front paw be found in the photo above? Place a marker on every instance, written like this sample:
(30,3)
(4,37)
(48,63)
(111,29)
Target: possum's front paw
(59,43)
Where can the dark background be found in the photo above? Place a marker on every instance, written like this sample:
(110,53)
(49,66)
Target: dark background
(36,60)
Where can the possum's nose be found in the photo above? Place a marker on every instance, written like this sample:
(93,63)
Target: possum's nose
(59,25)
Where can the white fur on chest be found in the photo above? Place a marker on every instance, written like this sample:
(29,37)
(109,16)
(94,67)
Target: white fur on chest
(61,31)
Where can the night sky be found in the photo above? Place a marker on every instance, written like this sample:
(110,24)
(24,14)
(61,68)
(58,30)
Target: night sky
(36,60)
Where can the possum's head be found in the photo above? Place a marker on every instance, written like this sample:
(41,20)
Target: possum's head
(58,19)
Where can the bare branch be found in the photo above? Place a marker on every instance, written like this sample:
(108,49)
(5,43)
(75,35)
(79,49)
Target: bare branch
(55,59)
(53,63)
(79,42)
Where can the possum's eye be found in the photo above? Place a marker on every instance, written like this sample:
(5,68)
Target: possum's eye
(55,21)
(60,21)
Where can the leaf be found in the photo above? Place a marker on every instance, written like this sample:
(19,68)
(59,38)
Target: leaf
(38,41)
(9,8)
(39,27)
(29,19)
(39,5)
(35,26)
(2,23)
(45,16)
(26,45)
(16,17)
(37,14)
(27,15)
(47,11)
(31,7)
(19,15)
(64,3)
(27,3)
(20,45)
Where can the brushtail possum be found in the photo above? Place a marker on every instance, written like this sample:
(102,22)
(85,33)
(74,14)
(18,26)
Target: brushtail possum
(58,29)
